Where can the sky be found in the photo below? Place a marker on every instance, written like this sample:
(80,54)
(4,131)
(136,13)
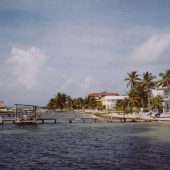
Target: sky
(79,46)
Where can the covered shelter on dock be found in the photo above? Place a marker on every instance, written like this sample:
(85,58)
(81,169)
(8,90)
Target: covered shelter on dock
(26,114)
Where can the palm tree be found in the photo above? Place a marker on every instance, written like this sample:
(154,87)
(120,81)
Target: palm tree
(69,103)
(156,103)
(148,84)
(78,103)
(136,90)
(133,79)
(134,99)
(165,82)
(51,104)
(59,101)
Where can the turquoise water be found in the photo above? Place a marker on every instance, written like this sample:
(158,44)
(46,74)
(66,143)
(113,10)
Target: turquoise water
(85,146)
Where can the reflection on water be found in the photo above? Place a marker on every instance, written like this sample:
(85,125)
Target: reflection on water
(85,146)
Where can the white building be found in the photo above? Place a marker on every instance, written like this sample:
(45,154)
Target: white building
(164,93)
(110,101)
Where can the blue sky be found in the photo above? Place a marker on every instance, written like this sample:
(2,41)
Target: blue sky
(79,46)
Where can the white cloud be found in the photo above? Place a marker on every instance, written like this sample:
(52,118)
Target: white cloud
(154,51)
(26,66)
(81,61)
(92,45)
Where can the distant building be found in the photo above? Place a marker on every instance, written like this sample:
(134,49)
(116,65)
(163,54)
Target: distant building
(101,95)
(110,101)
(2,105)
(164,93)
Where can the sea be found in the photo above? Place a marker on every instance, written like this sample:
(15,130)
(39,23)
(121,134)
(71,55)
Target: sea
(85,146)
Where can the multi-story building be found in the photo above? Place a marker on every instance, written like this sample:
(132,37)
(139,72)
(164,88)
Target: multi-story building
(108,100)
(164,93)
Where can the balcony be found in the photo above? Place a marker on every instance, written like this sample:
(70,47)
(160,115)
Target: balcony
(166,98)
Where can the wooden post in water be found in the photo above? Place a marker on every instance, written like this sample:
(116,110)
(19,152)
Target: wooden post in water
(124,117)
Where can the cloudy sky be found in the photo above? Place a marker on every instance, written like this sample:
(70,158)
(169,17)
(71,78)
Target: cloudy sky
(79,46)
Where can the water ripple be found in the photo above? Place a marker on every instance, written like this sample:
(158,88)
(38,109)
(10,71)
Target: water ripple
(85,146)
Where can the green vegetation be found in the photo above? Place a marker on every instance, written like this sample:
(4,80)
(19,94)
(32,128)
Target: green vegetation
(165,81)
(65,102)
(140,95)
(7,111)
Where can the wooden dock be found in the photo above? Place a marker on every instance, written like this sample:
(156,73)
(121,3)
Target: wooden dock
(54,120)
(91,120)
(139,119)
(135,118)
(39,121)
(47,120)
(7,114)
(7,121)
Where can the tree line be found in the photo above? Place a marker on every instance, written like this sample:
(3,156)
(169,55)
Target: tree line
(140,91)
(140,95)
(63,101)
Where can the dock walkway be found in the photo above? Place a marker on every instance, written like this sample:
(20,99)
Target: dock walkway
(108,119)
(39,121)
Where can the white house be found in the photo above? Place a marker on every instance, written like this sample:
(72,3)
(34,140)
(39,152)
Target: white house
(110,101)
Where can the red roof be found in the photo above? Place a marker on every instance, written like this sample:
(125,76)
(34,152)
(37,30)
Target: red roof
(103,94)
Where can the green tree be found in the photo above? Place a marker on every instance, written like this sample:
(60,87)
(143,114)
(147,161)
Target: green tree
(140,89)
(68,103)
(59,101)
(148,83)
(134,99)
(135,92)
(51,104)
(156,103)
(165,81)
(133,79)
(90,103)
(78,103)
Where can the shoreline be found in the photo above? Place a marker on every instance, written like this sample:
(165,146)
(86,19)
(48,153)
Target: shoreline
(98,116)
(130,117)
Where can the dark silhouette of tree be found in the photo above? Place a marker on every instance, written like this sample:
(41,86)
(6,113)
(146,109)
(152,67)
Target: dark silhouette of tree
(59,101)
